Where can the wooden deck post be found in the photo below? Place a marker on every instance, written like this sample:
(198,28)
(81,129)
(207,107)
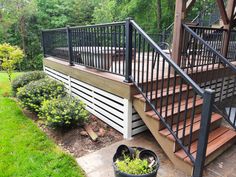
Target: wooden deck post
(228,26)
(180,9)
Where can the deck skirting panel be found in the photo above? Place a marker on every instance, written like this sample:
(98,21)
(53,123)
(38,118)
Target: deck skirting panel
(108,107)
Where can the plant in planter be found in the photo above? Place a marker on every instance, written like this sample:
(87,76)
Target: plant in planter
(135,162)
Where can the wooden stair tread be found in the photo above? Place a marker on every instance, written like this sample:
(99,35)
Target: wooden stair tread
(217,139)
(158,95)
(152,113)
(213,135)
(196,126)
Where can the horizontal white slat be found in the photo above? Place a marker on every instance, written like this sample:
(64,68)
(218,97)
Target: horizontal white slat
(136,117)
(82,99)
(109,102)
(81,94)
(109,109)
(79,88)
(137,123)
(138,130)
(56,72)
(101,92)
(103,118)
(110,116)
(57,77)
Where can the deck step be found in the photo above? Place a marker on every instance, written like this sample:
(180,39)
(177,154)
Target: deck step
(175,106)
(157,94)
(216,118)
(218,138)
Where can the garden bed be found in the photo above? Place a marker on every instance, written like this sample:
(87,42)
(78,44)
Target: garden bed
(75,140)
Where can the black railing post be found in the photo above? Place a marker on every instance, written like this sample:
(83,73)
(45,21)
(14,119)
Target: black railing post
(208,100)
(70,48)
(43,43)
(128,50)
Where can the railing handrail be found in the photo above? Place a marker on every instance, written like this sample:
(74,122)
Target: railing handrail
(171,62)
(221,57)
(86,26)
(206,27)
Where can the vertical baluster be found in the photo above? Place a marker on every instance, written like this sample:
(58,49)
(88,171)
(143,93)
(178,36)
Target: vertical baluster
(143,60)
(139,52)
(185,113)
(147,72)
(179,107)
(167,90)
(152,73)
(157,77)
(134,54)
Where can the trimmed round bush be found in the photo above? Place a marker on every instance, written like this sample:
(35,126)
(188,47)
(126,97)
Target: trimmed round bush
(26,78)
(63,112)
(33,94)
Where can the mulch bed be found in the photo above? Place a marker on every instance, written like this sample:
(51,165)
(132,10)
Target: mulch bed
(76,140)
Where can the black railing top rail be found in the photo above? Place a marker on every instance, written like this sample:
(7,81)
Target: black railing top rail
(87,26)
(221,57)
(170,61)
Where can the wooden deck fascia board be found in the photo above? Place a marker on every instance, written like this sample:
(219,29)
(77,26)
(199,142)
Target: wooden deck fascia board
(106,81)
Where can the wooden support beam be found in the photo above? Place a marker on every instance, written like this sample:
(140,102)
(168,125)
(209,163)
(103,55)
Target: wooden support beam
(223,13)
(180,12)
(190,4)
(230,15)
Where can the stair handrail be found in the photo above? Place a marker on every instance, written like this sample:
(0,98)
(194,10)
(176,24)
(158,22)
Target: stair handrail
(170,61)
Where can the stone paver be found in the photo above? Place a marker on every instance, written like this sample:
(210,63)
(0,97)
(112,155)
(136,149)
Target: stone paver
(99,163)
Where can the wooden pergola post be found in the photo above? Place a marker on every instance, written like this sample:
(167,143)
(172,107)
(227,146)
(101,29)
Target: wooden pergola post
(227,15)
(180,10)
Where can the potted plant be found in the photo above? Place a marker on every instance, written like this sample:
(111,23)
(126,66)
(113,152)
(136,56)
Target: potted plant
(135,162)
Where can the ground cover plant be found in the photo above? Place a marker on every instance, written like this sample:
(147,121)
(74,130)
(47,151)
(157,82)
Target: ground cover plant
(26,78)
(63,112)
(33,94)
(24,149)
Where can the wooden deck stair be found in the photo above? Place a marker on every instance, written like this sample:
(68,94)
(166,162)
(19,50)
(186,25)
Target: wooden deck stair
(220,137)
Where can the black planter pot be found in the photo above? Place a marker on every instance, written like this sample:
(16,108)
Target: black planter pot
(144,154)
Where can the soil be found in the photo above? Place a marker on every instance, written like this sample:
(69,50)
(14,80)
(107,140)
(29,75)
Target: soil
(76,140)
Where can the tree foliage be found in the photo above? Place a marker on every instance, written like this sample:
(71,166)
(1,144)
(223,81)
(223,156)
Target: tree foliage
(21,21)
(9,57)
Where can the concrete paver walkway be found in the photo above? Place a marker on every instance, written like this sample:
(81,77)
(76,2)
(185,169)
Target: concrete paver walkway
(99,163)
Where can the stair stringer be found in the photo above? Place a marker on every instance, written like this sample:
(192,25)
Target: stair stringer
(166,144)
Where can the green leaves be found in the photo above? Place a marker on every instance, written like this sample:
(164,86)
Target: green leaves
(26,78)
(10,56)
(134,166)
(33,94)
(63,112)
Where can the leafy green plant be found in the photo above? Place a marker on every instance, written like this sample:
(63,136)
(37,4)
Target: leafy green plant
(63,112)
(135,166)
(33,94)
(26,78)
(10,56)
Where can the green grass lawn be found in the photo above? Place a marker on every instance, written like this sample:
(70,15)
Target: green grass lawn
(25,151)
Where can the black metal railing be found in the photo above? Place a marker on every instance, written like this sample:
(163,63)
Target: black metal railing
(215,38)
(170,93)
(220,73)
(55,43)
(231,54)
(95,46)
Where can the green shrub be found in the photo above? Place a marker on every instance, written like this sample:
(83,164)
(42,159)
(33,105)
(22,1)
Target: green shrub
(33,94)
(25,78)
(134,166)
(63,112)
